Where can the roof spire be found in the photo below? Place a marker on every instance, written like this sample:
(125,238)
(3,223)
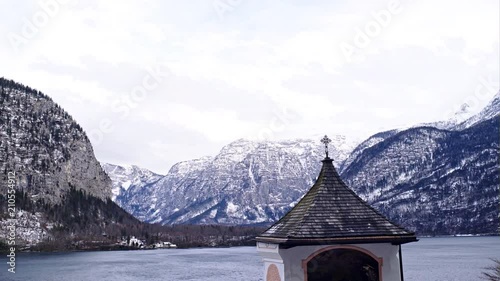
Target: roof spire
(326,141)
(331,213)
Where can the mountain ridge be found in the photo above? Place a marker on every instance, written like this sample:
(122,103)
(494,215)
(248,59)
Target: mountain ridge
(238,164)
(208,189)
(452,170)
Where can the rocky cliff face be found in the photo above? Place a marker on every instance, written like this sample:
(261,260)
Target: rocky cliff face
(60,186)
(46,148)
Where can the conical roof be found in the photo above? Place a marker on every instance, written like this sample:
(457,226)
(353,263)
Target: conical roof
(331,213)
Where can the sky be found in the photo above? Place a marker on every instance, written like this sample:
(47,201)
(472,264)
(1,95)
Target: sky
(157,82)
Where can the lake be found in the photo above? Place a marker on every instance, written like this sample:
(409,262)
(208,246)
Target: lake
(458,258)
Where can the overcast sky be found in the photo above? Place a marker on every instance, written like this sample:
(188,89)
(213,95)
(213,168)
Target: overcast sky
(157,82)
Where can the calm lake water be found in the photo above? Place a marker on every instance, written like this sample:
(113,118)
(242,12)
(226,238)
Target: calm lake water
(429,259)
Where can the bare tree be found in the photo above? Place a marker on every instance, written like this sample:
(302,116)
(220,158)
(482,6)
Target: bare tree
(492,272)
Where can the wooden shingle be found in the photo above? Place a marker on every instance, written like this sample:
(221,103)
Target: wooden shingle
(332,213)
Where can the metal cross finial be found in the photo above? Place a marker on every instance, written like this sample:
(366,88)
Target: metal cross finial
(326,141)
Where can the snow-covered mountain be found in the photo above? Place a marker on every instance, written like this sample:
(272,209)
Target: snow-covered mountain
(371,141)
(462,119)
(129,185)
(128,176)
(434,181)
(247,182)
(426,178)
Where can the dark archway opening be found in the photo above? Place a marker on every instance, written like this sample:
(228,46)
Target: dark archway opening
(343,265)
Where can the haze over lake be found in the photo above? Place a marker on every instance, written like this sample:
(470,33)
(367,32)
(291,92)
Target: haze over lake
(458,258)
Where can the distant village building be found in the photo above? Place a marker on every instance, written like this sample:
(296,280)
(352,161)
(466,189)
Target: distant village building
(137,243)
(167,245)
(134,242)
(333,235)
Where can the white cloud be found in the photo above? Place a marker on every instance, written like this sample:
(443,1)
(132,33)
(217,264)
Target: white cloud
(233,75)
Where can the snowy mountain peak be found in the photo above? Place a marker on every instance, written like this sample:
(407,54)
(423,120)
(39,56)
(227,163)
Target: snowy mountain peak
(462,114)
(465,116)
(186,167)
(213,189)
(126,176)
(491,110)
(465,108)
(236,150)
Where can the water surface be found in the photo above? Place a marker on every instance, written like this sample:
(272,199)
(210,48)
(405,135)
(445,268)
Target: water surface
(461,258)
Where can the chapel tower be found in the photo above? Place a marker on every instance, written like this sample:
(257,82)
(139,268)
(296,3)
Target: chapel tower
(333,235)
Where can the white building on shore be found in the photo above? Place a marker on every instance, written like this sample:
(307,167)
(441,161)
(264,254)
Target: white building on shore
(166,245)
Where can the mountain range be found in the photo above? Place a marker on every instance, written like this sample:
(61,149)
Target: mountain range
(248,182)
(438,178)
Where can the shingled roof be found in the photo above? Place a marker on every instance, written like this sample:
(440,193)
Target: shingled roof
(331,213)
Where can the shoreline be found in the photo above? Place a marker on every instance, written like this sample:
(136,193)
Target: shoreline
(116,248)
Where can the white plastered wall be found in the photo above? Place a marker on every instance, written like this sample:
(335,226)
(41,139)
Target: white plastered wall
(290,262)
